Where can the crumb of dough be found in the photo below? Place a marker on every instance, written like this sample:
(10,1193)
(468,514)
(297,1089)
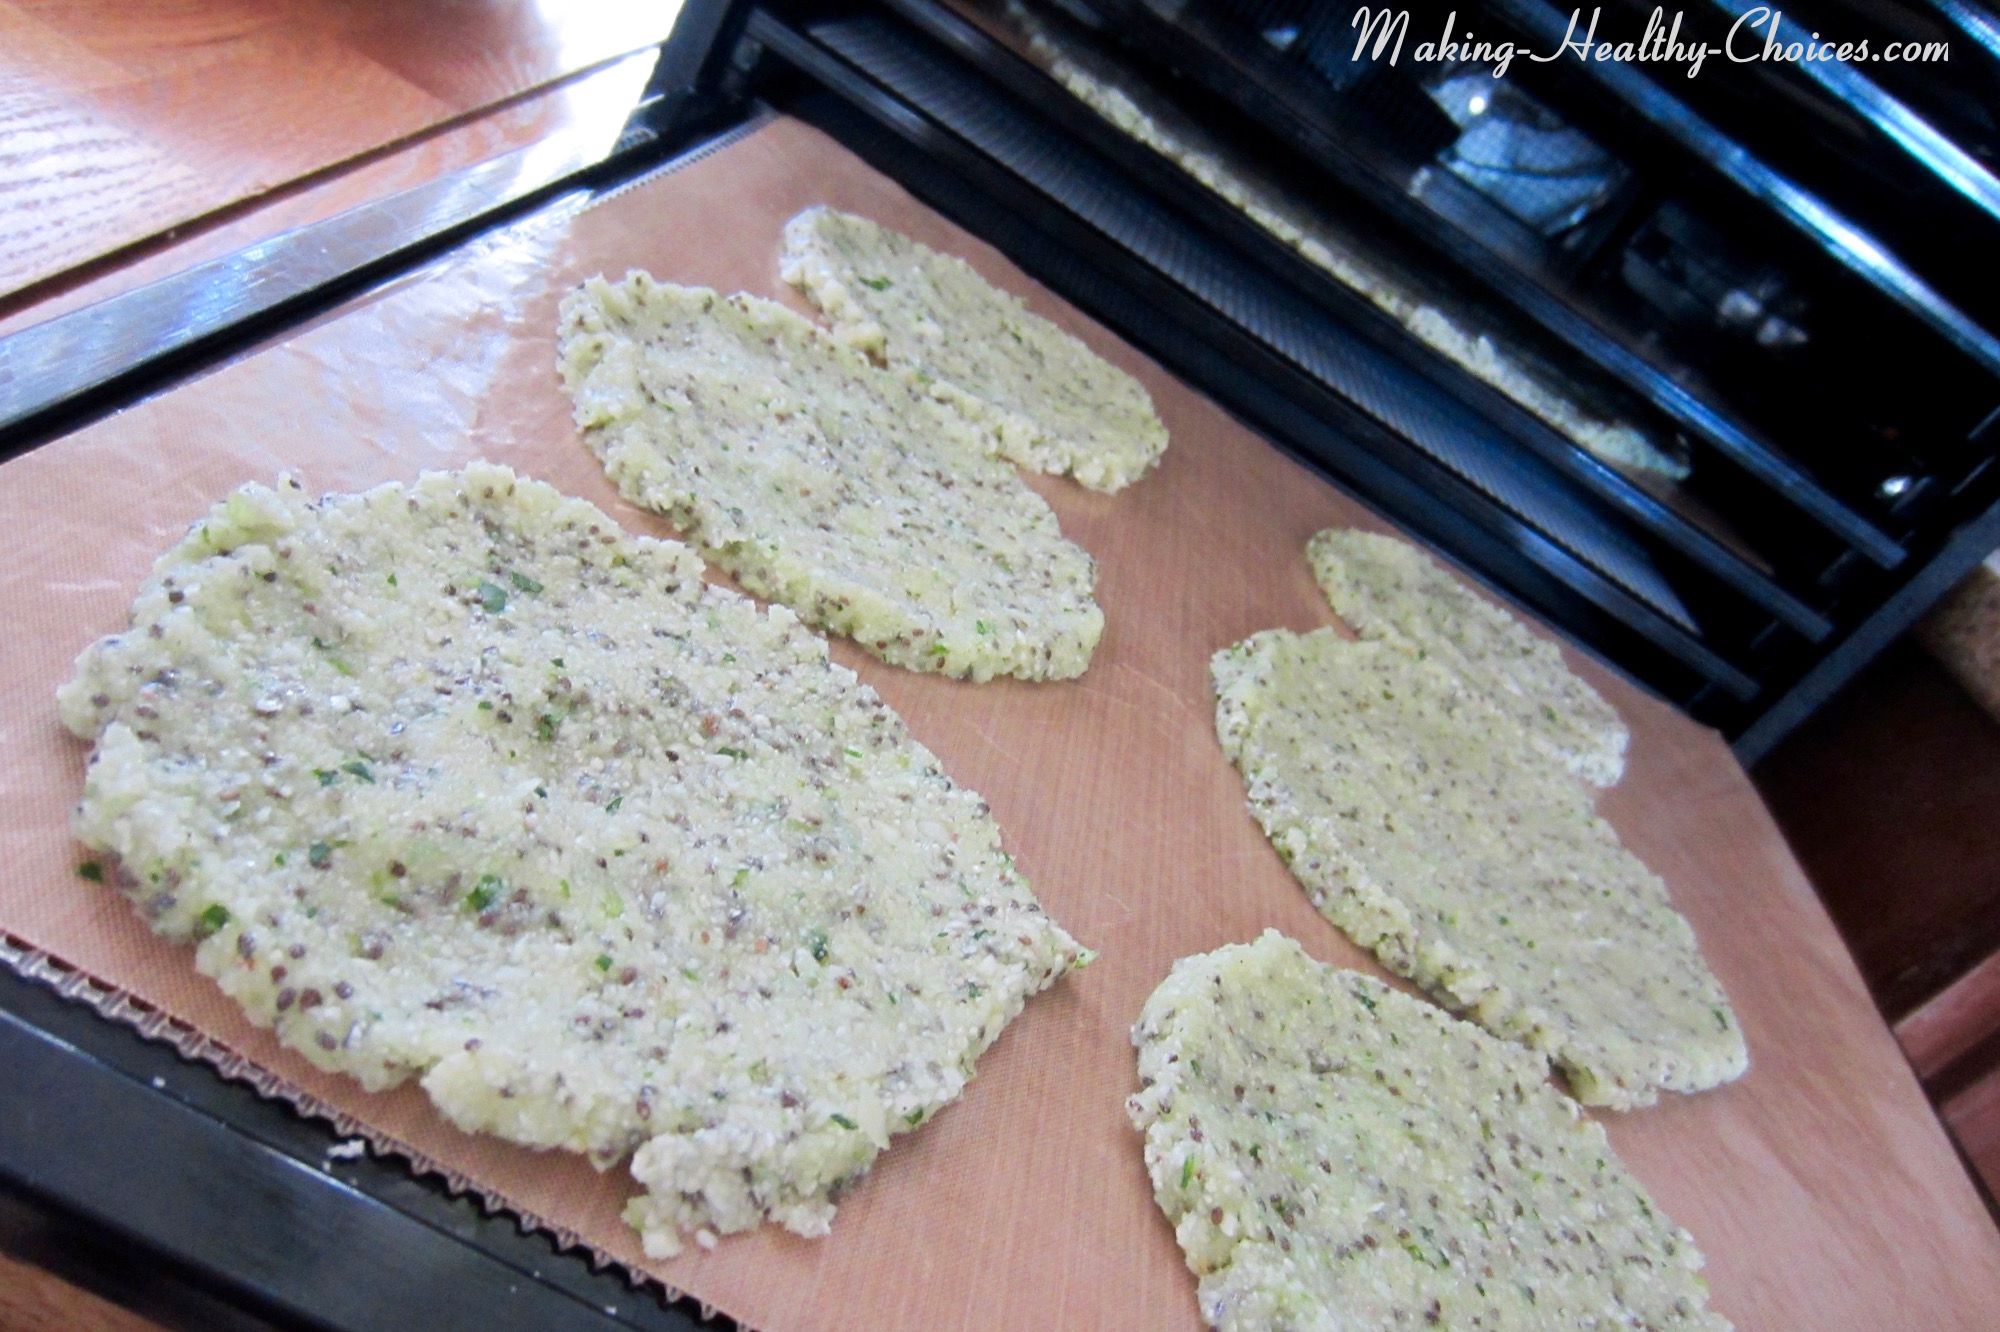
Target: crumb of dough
(1424,824)
(459,782)
(1050,402)
(1187,146)
(824,483)
(1389,590)
(1335,1154)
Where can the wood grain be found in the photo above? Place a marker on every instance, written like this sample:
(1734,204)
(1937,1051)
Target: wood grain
(120,121)
(1821,1186)
(593,107)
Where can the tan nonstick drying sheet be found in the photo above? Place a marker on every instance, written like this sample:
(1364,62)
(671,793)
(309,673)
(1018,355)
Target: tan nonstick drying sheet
(1821,1186)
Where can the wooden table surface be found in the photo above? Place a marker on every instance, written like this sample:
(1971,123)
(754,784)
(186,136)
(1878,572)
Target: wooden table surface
(1821,1186)
(120,121)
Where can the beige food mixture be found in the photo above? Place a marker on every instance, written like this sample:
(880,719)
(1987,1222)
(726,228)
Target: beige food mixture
(458,781)
(1049,402)
(1387,589)
(1427,826)
(1095,84)
(824,483)
(1334,1154)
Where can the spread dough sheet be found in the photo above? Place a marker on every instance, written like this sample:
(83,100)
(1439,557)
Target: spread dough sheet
(1050,402)
(459,782)
(819,481)
(1388,589)
(1425,825)
(1335,1154)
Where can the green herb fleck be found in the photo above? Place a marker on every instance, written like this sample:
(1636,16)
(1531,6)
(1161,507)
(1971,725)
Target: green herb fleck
(524,583)
(213,919)
(982,626)
(392,580)
(854,753)
(327,776)
(545,726)
(278,859)
(741,877)
(879,284)
(320,854)
(816,942)
(843,1121)
(485,705)
(614,905)
(90,870)
(391,900)
(914,1118)
(733,753)
(973,991)
(332,660)
(1367,1001)
(492,596)
(1187,1172)
(616,801)
(556,661)
(484,893)
(359,769)
(604,961)
(940,650)
(542,791)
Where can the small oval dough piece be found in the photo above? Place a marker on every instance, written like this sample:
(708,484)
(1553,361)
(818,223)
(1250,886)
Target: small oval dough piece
(824,483)
(1334,1154)
(1387,589)
(1052,403)
(459,781)
(1423,823)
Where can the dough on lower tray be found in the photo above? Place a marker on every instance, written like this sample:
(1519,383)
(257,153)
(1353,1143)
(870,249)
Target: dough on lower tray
(1052,403)
(820,481)
(1334,1154)
(1423,822)
(458,781)
(1457,336)
(1387,589)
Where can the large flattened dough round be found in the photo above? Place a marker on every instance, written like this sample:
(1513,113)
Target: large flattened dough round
(460,781)
(1336,1155)
(825,483)
(1434,832)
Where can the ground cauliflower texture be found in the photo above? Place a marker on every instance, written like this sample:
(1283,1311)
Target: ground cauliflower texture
(1154,122)
(1336,1155)
(1389,590)
(1427,827)
(1051,403)
(820,481)
(459,781)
